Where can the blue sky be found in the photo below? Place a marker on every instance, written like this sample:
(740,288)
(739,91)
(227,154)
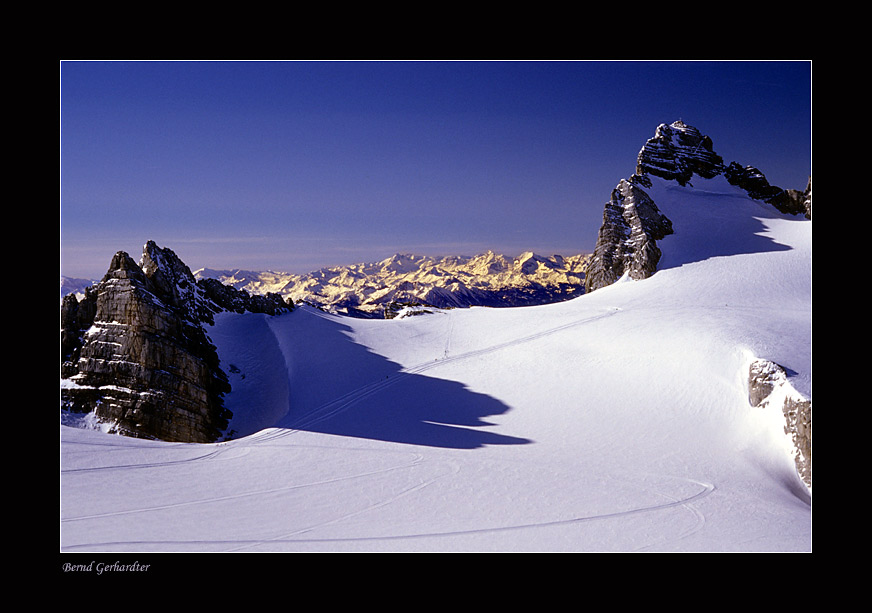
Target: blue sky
(294,165)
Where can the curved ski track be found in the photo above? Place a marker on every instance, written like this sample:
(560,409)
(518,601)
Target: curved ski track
(295,536)
(335,407)
(418,458)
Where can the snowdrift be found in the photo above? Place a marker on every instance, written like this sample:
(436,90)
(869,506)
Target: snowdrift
(616,421)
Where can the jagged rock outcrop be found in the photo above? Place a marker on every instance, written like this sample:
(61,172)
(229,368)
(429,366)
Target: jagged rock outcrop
(677,152)
(627,241)
(789,201)
(632,224)
(768,386)
(135,352)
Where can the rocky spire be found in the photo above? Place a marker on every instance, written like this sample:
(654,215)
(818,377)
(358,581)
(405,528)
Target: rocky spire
(627,241)
(136,353)
(677,152)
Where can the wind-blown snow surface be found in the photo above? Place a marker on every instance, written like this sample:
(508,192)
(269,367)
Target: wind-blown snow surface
(617,421)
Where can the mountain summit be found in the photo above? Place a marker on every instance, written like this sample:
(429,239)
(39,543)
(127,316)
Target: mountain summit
(134,351)
(633,223)
(714,209)
(669,414)
(677,152)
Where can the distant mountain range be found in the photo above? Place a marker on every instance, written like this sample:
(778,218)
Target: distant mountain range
(627,244)
(136,353)
(74,285)
(380,289)
(667,408)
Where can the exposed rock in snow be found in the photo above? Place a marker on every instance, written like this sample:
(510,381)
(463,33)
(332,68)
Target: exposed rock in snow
(677,152)
(626,245)
(135,353)
(620,421)
(627,241)
(790,201)
(768,386)
(632,224)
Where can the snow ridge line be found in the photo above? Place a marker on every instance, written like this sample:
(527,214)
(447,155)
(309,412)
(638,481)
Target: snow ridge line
(339,405)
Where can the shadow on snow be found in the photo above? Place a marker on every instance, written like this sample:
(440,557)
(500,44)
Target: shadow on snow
(331,384)
(711,224)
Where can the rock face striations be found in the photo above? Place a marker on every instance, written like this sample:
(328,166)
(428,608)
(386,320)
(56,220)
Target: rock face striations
(677,152)
(135,351)
(632,223)
(627,240)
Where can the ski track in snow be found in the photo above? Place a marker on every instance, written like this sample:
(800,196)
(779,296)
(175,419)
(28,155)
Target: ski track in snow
(211,457)
(288,537)
(295,537)
(301,534)
(348,400)
(206,456)
(684,502)
(298,535)
(399,496)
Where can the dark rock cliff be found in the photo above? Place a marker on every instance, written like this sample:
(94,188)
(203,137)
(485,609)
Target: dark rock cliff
(632,224)
(136,353)
(627,241)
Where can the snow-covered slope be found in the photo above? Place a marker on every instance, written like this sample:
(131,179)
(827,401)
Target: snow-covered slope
(616,421)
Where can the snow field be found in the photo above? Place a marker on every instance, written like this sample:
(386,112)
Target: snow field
(618,421)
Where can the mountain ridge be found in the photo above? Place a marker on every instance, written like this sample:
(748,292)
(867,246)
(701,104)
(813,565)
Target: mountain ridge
(135,352)
(627,241)
(375,289)
(669,413)
(626,247)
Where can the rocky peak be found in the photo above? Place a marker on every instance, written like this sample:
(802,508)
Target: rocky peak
(627,240)
(401,263)
(677,152)
(136,353)
(528,263)
(632,223)
(171,279)
(488,263)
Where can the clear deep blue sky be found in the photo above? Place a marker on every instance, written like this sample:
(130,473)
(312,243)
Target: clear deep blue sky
(292,166)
